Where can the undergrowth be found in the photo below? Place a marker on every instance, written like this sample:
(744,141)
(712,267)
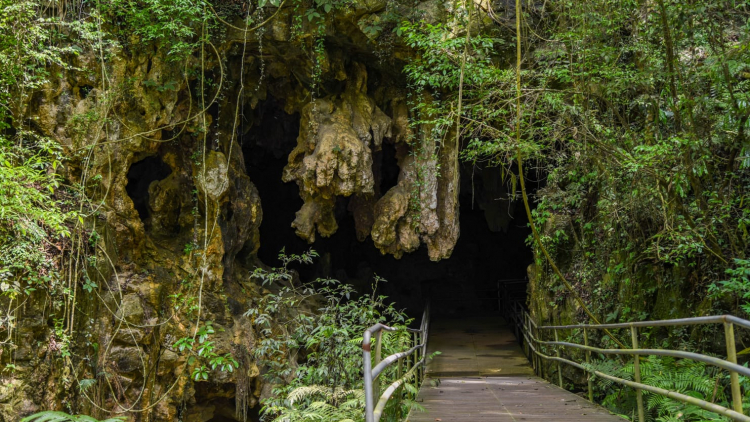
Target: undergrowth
(695,379)
(319,325)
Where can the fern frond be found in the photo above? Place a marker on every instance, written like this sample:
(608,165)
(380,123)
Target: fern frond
(57,416)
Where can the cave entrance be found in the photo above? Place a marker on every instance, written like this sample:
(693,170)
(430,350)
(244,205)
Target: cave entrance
(140,176)
(490,254)
(266,144)
(491,249)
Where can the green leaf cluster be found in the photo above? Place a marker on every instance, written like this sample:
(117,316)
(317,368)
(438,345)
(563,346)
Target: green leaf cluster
(56,416)
(695,379)
(319,324)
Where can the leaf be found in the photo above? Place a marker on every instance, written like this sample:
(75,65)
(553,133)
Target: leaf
(56,416)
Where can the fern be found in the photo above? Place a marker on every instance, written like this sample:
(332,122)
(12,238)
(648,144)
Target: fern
(312,403)
(57,416)
(687,377)
(85,384)
(334,395)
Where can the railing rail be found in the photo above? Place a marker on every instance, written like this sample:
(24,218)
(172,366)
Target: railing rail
(373,410)
(528,333)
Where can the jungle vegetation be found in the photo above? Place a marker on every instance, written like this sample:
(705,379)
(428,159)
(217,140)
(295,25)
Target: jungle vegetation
(635,113)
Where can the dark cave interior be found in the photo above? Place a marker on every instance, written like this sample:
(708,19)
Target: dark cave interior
(490,248)
(140,176)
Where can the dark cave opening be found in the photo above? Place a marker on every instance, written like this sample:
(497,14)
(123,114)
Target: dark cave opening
(388,167)
(217,402)
(140,176)
(491,247)
(266,147)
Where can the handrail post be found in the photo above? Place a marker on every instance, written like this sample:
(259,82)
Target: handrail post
(528,339)
(588,361)
(369,402)
(532,344)
(532,355)
(541,361)
(425,339)
(732,357)
(422,355)
(559,368)
(411,359)
(538,347)
(398,373)
(637,373)
(378,358)
(415,337)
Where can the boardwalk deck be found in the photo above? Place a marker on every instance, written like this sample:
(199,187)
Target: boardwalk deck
(482,375)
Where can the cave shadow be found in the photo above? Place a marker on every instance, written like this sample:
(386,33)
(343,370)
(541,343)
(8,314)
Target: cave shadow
(492,246)
(140,176)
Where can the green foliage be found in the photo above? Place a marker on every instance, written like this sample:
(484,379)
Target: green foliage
(321,403)
(262,3)
(32,216)
(36,213)
(695,379)
(54,416)
(635,113)
(202,357)
(174,24)
(737,286)
(438,66)
(29,46)
(486,87)
(320,325)
(655,169)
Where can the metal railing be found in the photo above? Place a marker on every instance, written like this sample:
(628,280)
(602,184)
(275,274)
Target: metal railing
(528,332)
(373,368)
(510,294)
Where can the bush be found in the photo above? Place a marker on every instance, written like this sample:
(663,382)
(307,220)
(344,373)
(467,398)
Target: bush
(319,325)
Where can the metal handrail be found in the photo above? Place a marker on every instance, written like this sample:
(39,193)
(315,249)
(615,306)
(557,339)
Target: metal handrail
(526,328)
(373,411)
(715,319)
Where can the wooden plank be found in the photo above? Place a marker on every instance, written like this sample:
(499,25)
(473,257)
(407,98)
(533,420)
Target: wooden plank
(482,375)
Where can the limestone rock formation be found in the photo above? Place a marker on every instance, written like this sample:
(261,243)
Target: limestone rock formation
(423,207)
(164,237)
(333,156)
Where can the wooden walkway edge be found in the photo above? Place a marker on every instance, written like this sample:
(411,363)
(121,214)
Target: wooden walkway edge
(482,375)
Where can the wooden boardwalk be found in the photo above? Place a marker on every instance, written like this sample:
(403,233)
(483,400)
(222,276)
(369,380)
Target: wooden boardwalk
(482,375)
